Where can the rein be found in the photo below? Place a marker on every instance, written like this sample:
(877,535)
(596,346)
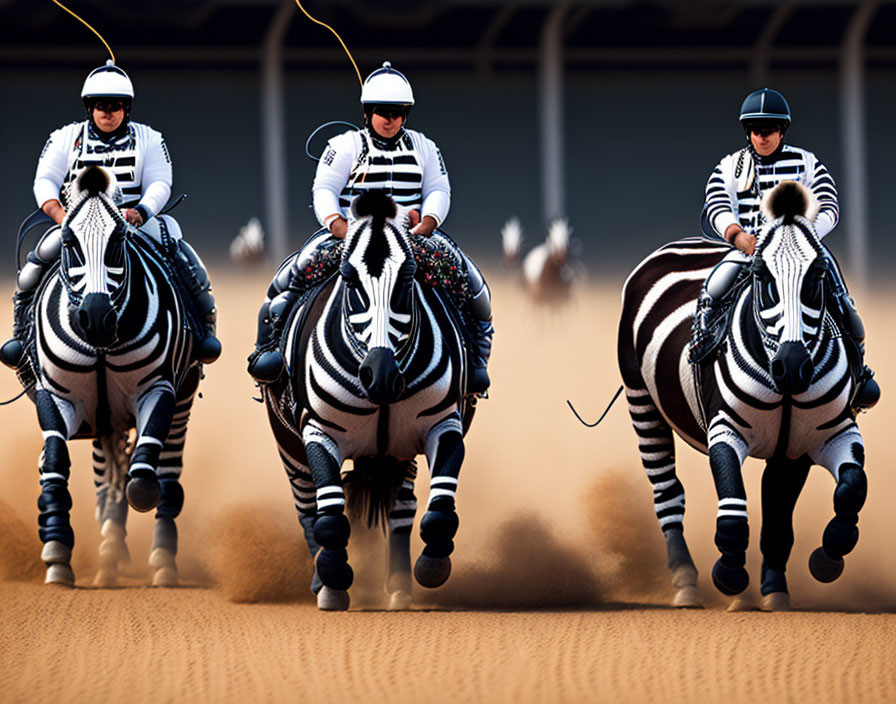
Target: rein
(595,423)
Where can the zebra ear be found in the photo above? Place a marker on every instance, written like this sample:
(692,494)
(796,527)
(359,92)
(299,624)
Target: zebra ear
(376,203)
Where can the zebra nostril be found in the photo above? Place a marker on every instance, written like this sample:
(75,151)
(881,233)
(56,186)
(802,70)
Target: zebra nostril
(83,320)
(366,376)
(777,369)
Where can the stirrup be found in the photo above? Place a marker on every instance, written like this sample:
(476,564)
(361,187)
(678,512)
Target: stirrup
(12,353)
(266,366)
(208,350)
(478,381)
(867,392)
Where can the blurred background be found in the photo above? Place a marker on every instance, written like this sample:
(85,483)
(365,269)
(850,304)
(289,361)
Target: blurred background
(612,113)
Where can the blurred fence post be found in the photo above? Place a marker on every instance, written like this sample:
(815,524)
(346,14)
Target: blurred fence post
(553,164)
(852,130)
(273,137)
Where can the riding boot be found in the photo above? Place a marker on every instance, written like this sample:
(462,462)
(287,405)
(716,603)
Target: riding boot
(266,363)
(702,341)
(12,353)
(867,392)
(194,278)
(478,381)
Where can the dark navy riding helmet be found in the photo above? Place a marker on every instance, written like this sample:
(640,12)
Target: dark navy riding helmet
(765,105)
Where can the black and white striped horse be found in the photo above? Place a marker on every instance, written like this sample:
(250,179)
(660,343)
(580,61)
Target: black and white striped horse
(113,352)
(375,374)
(779,389)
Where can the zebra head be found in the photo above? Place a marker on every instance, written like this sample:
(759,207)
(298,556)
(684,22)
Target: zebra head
(377,273)
(93,265)
(788,286)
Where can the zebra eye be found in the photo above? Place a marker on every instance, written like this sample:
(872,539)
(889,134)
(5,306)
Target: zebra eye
(68,237)
(349,274)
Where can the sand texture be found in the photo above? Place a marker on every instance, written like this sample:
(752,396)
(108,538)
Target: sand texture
(559,590)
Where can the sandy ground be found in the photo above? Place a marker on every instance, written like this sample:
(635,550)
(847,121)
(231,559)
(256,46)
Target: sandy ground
(559,588)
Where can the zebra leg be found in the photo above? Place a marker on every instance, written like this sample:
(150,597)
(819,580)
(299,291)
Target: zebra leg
(55,502)
(331,527)
(657,448)
(727,452)
(445,455)
(782,482)
(844,458)
(171,498)
(401,520)
(155,410)
(109,454)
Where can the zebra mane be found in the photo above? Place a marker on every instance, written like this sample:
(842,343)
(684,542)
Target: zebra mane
(376,203)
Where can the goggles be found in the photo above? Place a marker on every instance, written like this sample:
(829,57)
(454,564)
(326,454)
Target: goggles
(108,105)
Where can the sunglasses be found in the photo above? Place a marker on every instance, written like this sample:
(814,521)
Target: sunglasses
(390,112)
(108,105)
(764,130)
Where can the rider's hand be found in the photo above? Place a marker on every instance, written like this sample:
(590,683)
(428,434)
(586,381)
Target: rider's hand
(55,211)
(742,240)
(423,227)
(339,227)
(745,242)
(134,217)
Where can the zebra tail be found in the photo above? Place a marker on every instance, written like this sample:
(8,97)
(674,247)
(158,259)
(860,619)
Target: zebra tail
(371,488)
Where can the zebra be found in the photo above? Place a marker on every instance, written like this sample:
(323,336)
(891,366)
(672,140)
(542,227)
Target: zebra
(779,388)
(112,360)
(375,373)
(549,270)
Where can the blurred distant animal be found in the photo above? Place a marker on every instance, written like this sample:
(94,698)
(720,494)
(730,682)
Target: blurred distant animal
(778,387)
(375,370)
(548,270)
(248,246)
(112,352)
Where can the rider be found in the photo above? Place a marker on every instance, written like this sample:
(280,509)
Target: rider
(732,211)
(385,154)
(139,158)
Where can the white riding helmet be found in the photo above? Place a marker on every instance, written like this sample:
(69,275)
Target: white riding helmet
(107,81)
(386,86)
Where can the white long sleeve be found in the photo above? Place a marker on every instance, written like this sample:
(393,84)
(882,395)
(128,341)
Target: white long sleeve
(158,175)
(53,164)
(436,187)
(333,170)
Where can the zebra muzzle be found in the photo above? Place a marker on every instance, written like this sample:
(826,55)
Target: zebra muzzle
(380,377)
(97,320)
(792,368)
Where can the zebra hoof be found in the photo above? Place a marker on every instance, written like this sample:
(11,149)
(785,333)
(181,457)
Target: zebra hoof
(106,577)
(432,572)
(775,601)
(742,603)
(399,601)
(143,493)
(729,580)
(165,577)
(688,598)
(165,574)
(332,599)
(61,574)
(823,567)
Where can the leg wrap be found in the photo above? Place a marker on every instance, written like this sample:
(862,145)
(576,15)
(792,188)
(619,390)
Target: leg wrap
(332,531)
(54,503)
(165,535)
(172,500)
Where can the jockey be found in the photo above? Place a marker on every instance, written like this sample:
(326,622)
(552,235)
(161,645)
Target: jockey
(139,158)
(732,212)
(385,154)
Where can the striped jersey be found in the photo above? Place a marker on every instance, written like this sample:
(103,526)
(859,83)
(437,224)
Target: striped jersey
(139,159)
(409,167)
(736,187)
